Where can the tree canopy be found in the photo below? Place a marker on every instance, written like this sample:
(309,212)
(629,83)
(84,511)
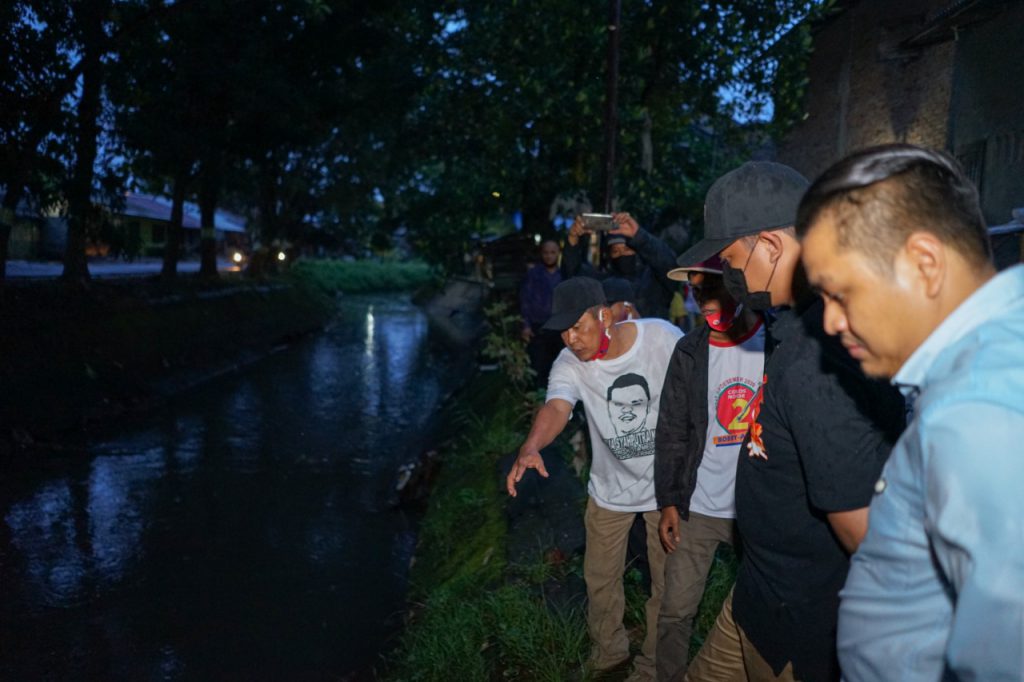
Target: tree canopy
(334,122)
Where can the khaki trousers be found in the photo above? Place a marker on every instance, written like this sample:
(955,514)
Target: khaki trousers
(728,656)
(686,573)
(603,565)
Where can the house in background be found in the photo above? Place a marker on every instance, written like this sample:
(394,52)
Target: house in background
(26,227)
(940,73)
(140,229)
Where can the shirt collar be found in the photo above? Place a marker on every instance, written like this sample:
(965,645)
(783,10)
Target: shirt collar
(983,305)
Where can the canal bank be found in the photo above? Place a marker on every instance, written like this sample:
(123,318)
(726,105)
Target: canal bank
(73,360)
(496,587)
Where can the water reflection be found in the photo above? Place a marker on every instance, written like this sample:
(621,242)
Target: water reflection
(245,533)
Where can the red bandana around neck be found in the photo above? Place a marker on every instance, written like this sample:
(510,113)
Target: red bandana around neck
(602,350)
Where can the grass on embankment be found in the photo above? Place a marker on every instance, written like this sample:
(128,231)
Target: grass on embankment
(474,616)
(363,276)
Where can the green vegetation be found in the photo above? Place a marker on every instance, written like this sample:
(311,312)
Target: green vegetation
(336,123)
(475,616)
(362,276)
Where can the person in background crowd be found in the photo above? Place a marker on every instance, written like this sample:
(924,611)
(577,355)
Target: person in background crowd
(633,254)
(619,293)
(535,307)
(713,376)
(894,239)
(819,432)
(616,370)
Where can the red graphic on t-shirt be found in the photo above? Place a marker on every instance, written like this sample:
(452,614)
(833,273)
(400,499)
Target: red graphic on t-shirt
(732,408)
(756,444)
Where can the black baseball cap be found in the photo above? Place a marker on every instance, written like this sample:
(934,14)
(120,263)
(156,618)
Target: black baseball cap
(759,195)
(572,298)
(617,289)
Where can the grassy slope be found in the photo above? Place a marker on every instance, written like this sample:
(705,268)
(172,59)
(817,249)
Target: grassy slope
(362,276)
(474,617)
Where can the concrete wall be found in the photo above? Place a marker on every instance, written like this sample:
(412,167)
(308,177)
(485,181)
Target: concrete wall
(987,116)
(865,90)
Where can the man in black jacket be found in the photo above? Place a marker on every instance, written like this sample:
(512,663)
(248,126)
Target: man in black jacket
(819,434)
(634,254)
(714,373)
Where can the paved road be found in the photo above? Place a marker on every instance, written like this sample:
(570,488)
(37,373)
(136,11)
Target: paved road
(107,268)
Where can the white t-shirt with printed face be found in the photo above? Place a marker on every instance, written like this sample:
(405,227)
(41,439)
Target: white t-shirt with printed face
(621,398)
(734,375)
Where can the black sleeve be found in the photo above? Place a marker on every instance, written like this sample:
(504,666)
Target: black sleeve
(573,257)
(673,434)
(844,425)
(658,255)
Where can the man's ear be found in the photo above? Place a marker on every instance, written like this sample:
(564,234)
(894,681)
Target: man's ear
(773,244)
(926,256)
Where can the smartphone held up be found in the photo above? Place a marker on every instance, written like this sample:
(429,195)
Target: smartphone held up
(598,222)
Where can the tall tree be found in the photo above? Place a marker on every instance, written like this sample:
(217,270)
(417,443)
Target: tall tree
(90,19)
(35,75)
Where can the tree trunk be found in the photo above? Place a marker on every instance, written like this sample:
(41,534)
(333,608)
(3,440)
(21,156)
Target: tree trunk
(268,223)
(172,245)
(207,211)
(7,218)
(80,209)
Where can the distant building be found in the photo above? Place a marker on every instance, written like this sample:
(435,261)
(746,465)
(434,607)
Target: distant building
(940,73)
(141,227)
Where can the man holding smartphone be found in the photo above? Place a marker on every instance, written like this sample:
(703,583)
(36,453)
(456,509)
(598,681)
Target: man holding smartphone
(633,254)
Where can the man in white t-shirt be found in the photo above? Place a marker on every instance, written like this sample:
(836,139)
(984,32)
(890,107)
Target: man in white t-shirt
(616,370)
(712,379)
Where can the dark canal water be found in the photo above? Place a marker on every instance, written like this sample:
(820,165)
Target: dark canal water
(245,533)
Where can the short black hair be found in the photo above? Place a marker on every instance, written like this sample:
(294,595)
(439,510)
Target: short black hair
(629,380)
(882,194)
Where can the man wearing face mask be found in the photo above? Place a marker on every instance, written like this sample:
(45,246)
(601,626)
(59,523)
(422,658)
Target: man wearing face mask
(819,433)
(634,254)
(714,373)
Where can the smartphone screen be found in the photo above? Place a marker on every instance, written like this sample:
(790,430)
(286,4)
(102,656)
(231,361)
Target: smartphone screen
(598,221)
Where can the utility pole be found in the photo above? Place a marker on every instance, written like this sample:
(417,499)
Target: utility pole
(611,118)
(611,103)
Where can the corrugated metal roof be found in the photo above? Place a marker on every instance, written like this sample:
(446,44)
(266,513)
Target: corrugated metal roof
(159,208)
(153,208)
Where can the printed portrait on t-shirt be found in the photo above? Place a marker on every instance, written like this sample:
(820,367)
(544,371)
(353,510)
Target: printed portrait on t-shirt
(629,405)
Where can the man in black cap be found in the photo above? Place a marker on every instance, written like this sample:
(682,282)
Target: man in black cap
(818,434)
(620,294)
(617,371)
(634,254)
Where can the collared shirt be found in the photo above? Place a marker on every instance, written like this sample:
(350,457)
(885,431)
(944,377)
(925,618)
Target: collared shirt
(936,590)
(820,434)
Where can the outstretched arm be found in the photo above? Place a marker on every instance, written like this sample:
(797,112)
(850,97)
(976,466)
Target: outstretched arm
(549,422)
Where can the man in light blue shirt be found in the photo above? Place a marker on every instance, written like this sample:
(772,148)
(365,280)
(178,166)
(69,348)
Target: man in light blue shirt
(894,240)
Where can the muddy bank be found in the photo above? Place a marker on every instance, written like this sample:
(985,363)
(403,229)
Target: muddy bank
(70,361)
